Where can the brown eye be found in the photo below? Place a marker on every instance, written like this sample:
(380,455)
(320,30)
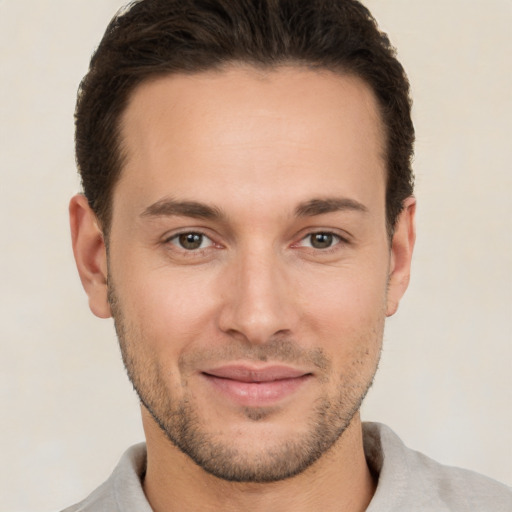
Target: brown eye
(190,241)
(322,240)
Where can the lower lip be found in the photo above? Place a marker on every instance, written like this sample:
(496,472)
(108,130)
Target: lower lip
(257,393)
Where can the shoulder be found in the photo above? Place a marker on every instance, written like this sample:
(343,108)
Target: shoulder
(101,499)
(409,480)
(123,489)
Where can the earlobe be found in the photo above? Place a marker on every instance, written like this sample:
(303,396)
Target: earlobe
(402,246)
(90,254)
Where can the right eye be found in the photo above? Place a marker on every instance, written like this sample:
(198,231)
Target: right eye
(191,241)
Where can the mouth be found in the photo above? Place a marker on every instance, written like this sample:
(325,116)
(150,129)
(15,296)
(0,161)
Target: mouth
(252,386)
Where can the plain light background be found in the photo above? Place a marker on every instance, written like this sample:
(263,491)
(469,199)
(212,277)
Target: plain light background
(445,384)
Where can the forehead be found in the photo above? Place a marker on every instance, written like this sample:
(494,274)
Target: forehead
(282,132)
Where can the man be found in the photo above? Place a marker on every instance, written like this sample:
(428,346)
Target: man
(248,222)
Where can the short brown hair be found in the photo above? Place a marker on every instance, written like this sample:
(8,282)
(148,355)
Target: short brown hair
(158,37)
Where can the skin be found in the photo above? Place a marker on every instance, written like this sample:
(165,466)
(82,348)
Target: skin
(268,159)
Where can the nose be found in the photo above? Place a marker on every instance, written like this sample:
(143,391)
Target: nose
(259,300)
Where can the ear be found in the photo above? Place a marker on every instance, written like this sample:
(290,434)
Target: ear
(402,246)
(90,254)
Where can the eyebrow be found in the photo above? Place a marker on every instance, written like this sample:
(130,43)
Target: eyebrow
(328,205)
(168,207)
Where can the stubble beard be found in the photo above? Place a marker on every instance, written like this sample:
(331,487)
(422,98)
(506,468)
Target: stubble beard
(181,422)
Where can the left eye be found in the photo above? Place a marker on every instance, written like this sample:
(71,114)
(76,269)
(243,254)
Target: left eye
(321,240)
(191,241)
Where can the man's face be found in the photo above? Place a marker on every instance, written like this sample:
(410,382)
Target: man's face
(250,271)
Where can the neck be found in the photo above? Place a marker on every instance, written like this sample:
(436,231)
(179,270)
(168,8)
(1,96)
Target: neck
(339,481)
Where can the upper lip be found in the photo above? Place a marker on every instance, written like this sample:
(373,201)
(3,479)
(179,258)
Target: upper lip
(246,373)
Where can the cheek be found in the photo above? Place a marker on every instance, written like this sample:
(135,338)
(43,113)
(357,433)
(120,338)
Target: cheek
(346,299)
(171,309)
(345,315)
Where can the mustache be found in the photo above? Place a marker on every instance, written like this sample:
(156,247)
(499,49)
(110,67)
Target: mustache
(276,349)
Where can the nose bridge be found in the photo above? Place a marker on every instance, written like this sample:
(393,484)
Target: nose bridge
(258,304)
